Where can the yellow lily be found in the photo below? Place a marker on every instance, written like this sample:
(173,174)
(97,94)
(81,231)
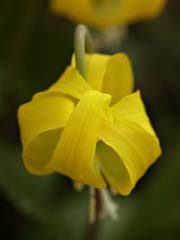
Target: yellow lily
(96,131)
(105,13)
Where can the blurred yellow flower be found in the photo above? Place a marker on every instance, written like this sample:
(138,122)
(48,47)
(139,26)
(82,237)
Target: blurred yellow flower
(94,131)
(105,13)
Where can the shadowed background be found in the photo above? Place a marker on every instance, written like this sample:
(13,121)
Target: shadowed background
(35,48)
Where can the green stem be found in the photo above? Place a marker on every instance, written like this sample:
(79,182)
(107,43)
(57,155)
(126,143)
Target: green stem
(82,41)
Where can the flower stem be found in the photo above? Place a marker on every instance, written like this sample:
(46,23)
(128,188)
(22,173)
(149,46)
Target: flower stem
(82,41)
(92,231)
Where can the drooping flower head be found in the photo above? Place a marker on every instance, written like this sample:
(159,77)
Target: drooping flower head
(105,13)
(96,131)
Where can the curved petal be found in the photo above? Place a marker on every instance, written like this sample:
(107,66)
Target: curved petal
(70,83)
(118,79)
(136,148)
(39,152)
(133,109)
(96,66)
(37,119)
(113,168)
(75,152)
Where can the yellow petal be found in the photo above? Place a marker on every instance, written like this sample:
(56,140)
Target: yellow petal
(75,152)
(118,79)
(95,66)
(70,83)
(156,7)
(76,10)
(136,148)
(105,13)
(132,108)
(109,74)
(40,123)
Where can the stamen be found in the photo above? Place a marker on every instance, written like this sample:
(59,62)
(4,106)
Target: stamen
(109,206)
(78,187)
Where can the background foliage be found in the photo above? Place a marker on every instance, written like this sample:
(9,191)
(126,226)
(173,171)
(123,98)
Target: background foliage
(35,48)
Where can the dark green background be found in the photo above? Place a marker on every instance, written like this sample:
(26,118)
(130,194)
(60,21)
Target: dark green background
(35,48)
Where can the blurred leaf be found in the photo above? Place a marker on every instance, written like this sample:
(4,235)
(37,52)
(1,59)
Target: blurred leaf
(58,213)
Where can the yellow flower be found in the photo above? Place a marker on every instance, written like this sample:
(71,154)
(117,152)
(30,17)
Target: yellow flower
(94,131)
(104,13)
